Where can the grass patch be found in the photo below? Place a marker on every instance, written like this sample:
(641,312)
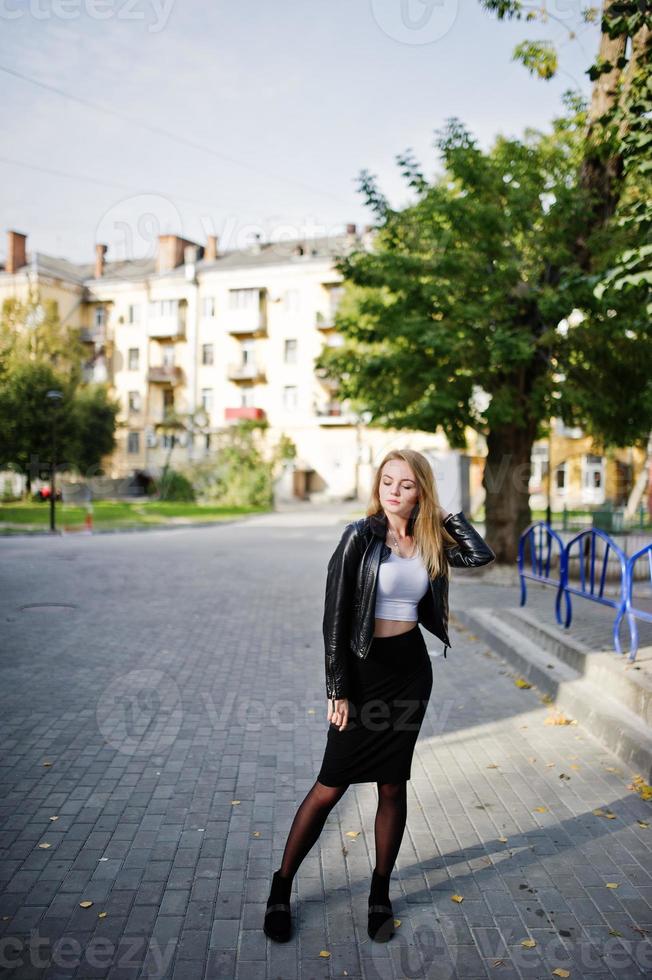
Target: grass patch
(109,514)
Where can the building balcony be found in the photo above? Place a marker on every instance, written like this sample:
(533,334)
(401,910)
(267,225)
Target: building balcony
(246,323)
(243,412)
(332,414)
(93,335)
(165,374)
(246,372)
(325,321)
(172,327)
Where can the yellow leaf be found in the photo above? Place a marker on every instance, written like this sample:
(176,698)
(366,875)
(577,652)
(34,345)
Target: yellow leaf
(614,932)
(598,813)
(503,840)
(573,765)
(235,802)
(47,763)
(311,711)
(85,905)
(642,823)
(541,809)
(45,846)
(549,764)
(256,833)
(610,816)
(457,898)
(492,765)
(560,972)
(102,915)
(546,699)
(352,833)
(528,943)
(612,884)
(557,718)
(324,953)
(397,922)
(521,682)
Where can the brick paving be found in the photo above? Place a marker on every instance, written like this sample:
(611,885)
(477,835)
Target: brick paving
(177,695)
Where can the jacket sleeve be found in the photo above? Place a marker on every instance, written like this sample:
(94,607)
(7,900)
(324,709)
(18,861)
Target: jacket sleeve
(471,549)
(338,606)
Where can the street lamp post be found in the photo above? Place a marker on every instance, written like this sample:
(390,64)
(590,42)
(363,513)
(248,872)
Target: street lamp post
(55,397)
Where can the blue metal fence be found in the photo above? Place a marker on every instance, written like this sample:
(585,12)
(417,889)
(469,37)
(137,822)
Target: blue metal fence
(543,557)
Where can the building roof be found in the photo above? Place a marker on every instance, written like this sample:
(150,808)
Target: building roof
(262,254)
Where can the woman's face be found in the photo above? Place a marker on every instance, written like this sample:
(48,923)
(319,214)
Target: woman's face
(398,488)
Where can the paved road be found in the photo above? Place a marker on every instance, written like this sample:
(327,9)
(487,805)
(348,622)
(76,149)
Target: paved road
(162,695)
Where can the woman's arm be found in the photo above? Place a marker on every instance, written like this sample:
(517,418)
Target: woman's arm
(338,605)
(471,549)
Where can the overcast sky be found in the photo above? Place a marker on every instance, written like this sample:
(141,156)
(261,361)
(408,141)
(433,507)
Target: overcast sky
(123,119)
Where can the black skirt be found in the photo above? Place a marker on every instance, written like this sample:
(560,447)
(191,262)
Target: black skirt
(388,697)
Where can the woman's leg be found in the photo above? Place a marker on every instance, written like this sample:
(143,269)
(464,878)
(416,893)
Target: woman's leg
(391,817)
(308,824)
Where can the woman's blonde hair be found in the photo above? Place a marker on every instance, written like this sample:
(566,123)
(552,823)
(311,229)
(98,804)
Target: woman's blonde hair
(424,524)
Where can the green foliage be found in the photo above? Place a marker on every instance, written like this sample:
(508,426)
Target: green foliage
(174,486)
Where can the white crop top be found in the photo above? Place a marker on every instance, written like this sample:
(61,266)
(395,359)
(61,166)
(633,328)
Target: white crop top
(401,584)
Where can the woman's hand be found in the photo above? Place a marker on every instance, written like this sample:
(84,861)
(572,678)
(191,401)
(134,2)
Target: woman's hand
(338,712)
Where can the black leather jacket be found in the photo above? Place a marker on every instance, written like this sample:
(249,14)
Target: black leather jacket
(351,581)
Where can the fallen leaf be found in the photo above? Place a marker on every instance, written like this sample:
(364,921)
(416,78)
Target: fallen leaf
(546,699)
(324,953)
(102,915)
(612,884)
(45,846)
(85,905)
(352,833)
(549,765)
(54,818)
(521,682)
(557,718)
(492,765)
(643,932)
(256,833)
(528,943)
(642,823)
(560,972)
(235,802)
(532,758)
(613,769)
(541,809)
(614,932)
(457,898)
(562,775)
(598,813)
(503,840)
(574,765)
(311,711)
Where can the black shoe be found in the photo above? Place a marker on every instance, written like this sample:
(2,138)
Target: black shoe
(278,920)
(380,925)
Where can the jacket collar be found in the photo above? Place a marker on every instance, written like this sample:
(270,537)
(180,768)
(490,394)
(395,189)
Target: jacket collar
(378,523)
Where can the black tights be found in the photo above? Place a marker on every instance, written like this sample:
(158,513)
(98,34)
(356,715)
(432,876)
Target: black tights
(311,816)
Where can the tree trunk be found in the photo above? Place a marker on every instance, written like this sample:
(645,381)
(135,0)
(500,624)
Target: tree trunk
(506,481)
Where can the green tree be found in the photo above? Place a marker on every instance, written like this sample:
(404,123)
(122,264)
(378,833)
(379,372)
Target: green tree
(451,320)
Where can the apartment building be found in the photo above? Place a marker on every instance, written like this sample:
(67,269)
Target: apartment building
(216,336)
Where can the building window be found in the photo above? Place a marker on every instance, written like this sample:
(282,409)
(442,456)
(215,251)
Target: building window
(290,351)
(207,439)
(247,352)
(133,313)
(244,299)
(100,316)
(133,358)
(290,398)
(561,478)
(592,478)
(164,307)
(134,401)
(207,399)
(292,300)
(207,353)
(133,442)
(246,396)
(168,440)
(539,465)
(208,306)
(167,355)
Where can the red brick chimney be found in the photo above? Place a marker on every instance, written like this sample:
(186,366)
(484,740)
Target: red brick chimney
(171,252)
(100,252)
(210,251)
(16,251)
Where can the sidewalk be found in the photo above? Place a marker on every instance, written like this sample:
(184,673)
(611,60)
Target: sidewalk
(162,697)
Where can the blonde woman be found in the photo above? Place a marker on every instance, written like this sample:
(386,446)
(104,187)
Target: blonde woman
(388,574)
